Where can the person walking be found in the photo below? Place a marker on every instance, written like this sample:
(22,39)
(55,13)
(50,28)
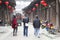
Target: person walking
(19,20)
(14,25)
(1,21)
(25,23)
(36,25)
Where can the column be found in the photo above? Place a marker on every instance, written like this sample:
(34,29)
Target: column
(51,14)
(32,17)
(57,15)
(45,14)
(48,14)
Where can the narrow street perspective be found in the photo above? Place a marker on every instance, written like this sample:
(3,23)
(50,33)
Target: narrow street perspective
(29,19)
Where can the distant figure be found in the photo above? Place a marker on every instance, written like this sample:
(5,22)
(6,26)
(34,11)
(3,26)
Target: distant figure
(36,25)
(1,21)
(14,25)
(19,21)
(25,23)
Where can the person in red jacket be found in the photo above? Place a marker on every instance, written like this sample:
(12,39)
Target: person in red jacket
(14,25)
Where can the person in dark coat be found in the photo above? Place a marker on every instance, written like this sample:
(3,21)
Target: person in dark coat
(36,25)
(14,25)
(1,21)
(25,23)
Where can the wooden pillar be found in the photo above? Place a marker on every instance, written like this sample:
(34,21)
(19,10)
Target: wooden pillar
(45,14)
(57,15)
(48,14)
(32,17)
(51,14)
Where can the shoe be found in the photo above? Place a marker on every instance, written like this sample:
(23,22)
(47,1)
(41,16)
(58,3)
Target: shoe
(38,36)
(26,35)
(13,34)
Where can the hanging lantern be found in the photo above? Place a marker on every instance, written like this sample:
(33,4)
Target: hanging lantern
(42,2)
(45,4)
(9,7)
(36,5)
(0,2)
(6,2)
(34,9)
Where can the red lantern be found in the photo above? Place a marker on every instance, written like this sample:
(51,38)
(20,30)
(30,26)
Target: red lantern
(6,2)
(0,2)
(34,9)
(36,5)
(9,7)
(42,2)
(45,4)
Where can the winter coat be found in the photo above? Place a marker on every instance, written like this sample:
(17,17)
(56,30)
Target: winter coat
(14,23)
(36,23)
(25,20)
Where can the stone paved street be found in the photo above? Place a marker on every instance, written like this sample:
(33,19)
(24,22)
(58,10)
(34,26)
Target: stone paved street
(44,35)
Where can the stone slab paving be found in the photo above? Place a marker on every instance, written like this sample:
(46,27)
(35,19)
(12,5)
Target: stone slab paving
(44,35)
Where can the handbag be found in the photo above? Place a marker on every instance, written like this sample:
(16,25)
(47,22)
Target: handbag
(26,24)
